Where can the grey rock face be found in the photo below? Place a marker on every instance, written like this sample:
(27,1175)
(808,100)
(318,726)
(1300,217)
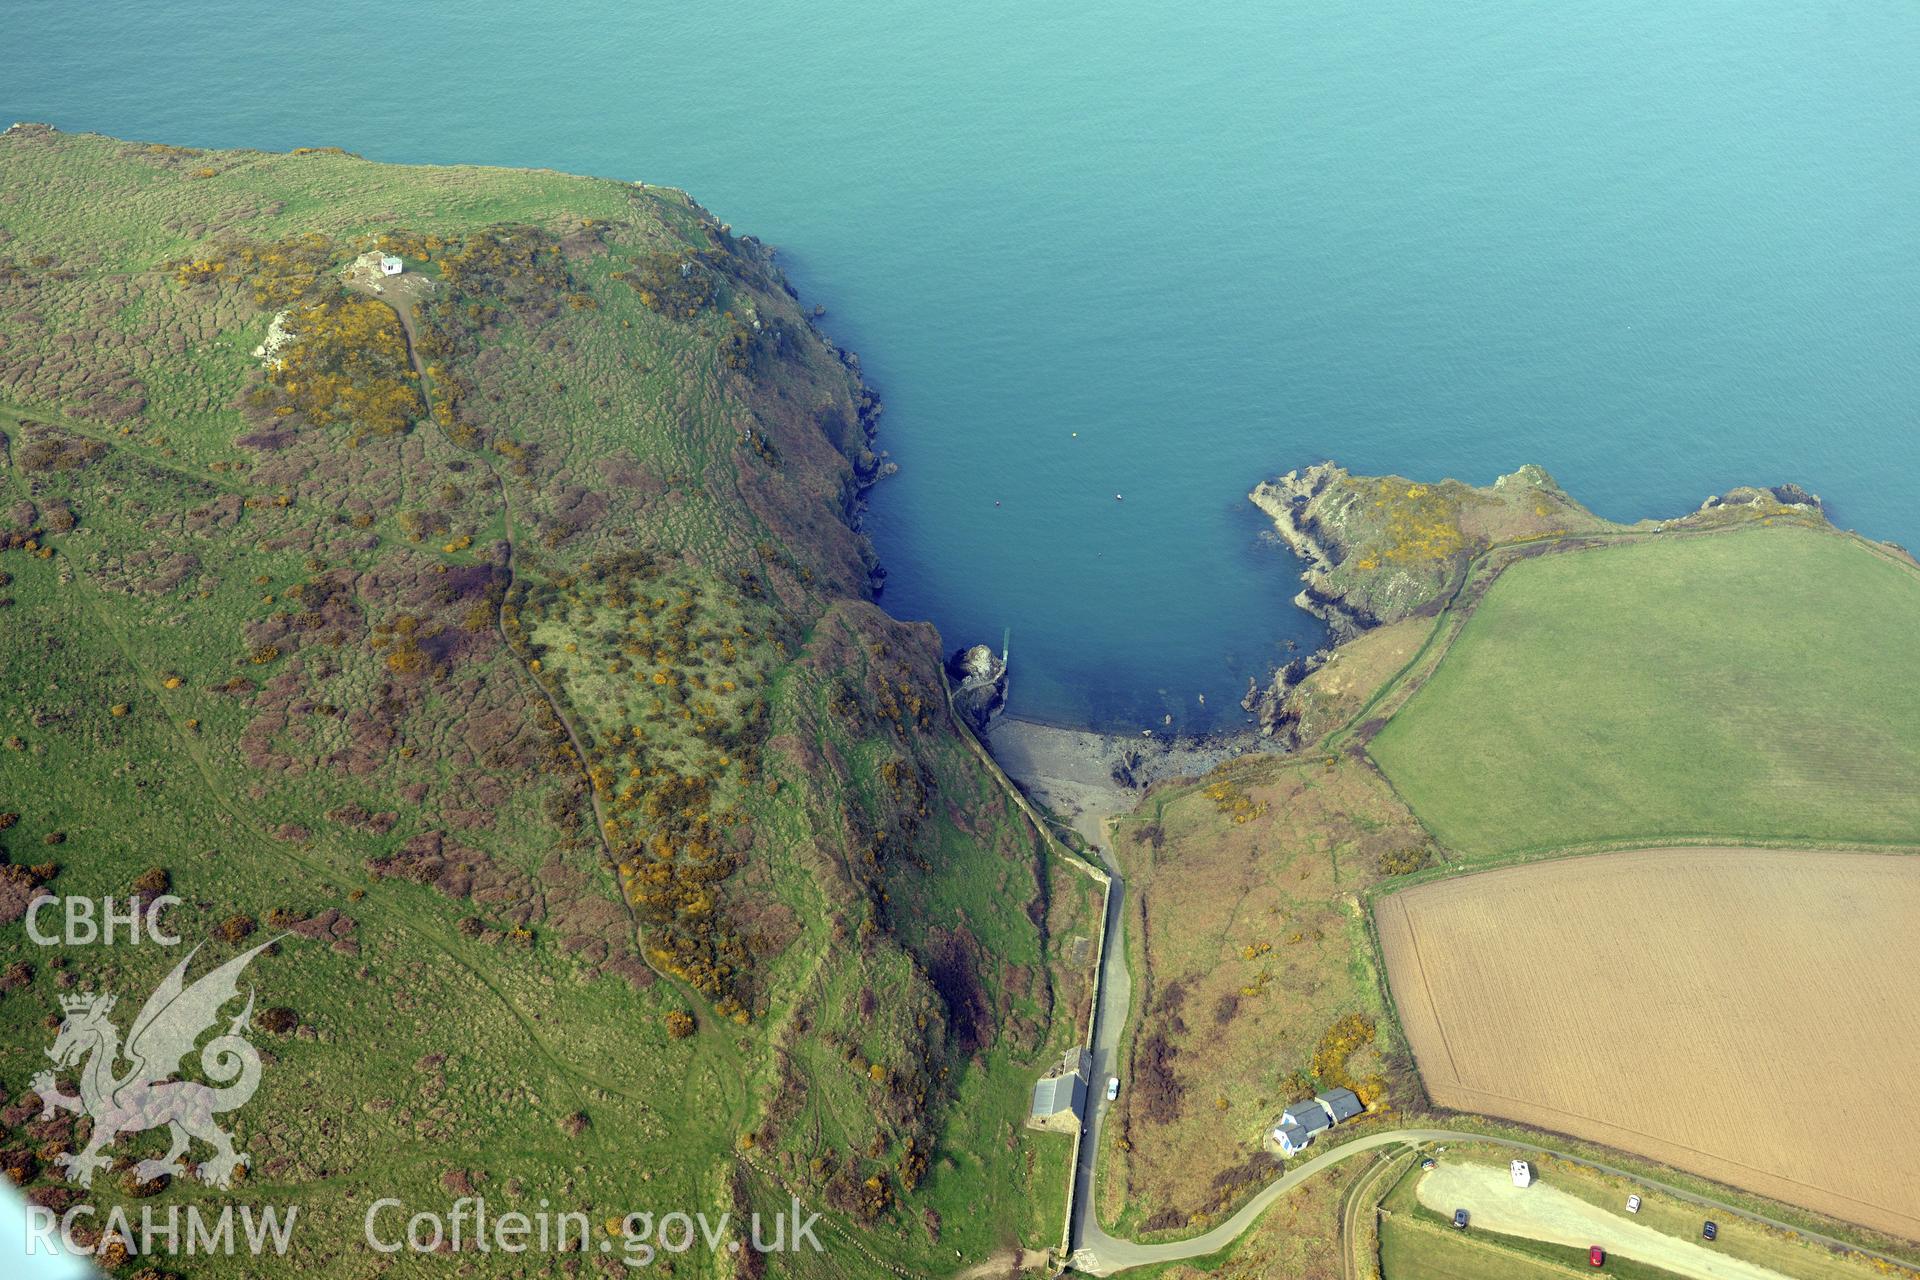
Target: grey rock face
(980,684)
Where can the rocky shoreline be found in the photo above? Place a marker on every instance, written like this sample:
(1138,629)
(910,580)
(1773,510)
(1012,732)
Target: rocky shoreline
(853,440)
(1382,548)
(1075,772)
(1288,501)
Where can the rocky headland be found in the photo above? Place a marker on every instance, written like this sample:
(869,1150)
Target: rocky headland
(1383,549)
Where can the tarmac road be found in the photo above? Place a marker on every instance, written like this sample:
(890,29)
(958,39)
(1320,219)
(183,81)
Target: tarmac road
(1109,1021)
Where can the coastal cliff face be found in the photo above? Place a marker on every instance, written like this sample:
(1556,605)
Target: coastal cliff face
(1384,549)
(502,629)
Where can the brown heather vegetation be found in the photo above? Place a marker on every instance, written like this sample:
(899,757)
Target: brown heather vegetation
(554,663)
(680,285)
(1244,929)
(273,275)
(46,448)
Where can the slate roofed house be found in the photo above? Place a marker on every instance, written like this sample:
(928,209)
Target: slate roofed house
(1060,1098)
(1342,1104)
(1301,1122)
(1310,1116)
(1076,1061)
(1292,1139)
(1058,1094)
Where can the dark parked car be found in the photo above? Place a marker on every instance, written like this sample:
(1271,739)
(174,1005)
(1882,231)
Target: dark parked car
(1710,1230)
(1460,1219)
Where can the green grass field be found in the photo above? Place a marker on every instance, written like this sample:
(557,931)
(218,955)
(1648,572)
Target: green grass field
(1747,685)
(1417,1250)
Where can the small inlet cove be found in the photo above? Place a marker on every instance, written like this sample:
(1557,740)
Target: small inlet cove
(1112,267)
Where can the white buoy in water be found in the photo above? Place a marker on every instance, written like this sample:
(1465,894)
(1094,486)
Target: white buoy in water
(1118,498)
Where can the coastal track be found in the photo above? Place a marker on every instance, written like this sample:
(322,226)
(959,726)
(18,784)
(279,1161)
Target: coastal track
(1102,1255)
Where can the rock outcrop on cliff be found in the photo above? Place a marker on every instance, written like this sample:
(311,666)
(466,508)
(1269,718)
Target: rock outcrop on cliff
(979,679)
(1779,495)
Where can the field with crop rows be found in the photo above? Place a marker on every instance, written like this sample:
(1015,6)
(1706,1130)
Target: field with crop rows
(1748,1015)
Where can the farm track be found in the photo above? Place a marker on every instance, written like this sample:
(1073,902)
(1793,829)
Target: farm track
(1100,1254)
(125,445)
(1362,1204)
(1124,1254)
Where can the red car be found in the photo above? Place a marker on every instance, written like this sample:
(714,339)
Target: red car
(1596,1257)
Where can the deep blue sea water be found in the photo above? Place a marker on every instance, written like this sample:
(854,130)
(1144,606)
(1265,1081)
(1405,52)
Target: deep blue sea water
(1660,248)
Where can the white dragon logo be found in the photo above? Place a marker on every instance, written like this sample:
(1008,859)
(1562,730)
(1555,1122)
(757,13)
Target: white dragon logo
(142,1098)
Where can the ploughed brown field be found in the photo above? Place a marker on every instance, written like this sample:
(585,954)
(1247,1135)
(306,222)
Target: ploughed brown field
(1749,1015)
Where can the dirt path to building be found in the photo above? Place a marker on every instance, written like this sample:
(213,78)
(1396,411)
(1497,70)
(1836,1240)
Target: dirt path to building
(1542,1212)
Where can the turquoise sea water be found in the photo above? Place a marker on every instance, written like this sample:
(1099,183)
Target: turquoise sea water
(1660,248)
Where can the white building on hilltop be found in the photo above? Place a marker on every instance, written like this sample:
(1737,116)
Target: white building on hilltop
(390,265)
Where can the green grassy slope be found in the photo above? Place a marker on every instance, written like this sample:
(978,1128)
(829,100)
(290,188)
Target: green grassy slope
(517,658)
(1750,684)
